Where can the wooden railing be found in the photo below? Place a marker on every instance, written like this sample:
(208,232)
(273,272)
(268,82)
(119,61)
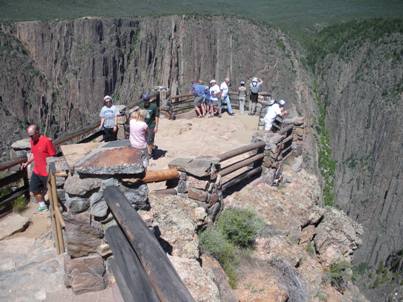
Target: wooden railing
(140,265)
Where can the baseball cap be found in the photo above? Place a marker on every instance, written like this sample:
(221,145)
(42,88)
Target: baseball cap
(213,81)
(107,98)
(281,102)
(242,82)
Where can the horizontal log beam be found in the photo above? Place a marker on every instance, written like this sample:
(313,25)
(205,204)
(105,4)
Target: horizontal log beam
(240,150)
(133,281)
(240,164)
(12,178)
(162,275)
(160,175)
(240,178)
(13,195)
(11,163)
(75,134)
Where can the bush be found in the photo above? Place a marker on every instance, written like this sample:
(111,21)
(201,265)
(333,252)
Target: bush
(240,226)
(19,204)
(339,275)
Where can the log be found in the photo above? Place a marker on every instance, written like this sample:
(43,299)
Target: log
(11,163)
(161,175)
(162,275)
(175,97)
(240,164)
(286,129)
(242,177)
(132,279)
(54,203)
(5,181)
(4,200)
(241,150)
(124,288)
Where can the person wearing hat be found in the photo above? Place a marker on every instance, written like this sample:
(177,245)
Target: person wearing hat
(152,120)
(215,93)
(225,97)
(109,120)
(242,96)
(255,87)
(275,109)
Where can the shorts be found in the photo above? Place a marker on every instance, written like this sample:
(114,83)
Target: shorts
(150,135)
(38,183)
(253,97)
(109,135)
(198,101)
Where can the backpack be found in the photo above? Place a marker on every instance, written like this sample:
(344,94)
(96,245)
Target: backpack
(254,87)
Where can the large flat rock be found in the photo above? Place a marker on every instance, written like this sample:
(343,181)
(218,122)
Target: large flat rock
(119,160)
(12,224)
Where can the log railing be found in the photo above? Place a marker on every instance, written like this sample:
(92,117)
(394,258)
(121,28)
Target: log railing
(140,265)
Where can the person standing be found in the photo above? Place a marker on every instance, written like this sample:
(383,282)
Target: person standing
(225,96)
(214,98)
(198,92)
(109,120)
(242,96)
(138,134)
(255,87)
(152,120)
(41,148)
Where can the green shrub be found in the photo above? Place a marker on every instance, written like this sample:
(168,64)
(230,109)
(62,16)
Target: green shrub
(19,204)
(339,274)
(214,243)
(240,226)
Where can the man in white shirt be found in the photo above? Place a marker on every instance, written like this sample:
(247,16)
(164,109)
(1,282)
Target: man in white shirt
(214,97)
(277,108)
(225,97)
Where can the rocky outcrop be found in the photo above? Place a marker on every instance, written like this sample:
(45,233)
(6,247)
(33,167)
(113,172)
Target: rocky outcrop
(361,84)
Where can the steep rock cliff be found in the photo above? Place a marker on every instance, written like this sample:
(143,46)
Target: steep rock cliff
(361,83)
(73,64)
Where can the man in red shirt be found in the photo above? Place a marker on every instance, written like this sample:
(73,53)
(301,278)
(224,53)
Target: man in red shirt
(41,148)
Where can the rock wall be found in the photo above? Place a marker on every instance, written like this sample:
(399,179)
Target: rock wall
(70,65)
(362,86)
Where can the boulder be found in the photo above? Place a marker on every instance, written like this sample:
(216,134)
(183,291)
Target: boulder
(84,274)
(12,224)
(82,236)
(77,186)
(76,204)
(98,205)
(199,283)
(138,197)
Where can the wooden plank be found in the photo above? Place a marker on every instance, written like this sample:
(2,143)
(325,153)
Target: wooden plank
(53,219)
(135,283)
(240,164)
(11,163)
(162,275)
(242,177)
(124,288)
(58,218)
(240,150)
(74,152)
(12,178)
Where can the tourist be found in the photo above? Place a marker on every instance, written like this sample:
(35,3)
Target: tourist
(275,109)
(255,87)
(41,148)
(198,92)
(138,134)
(214,98)
(242,96)
(152,120)
(225,97)
(109,120)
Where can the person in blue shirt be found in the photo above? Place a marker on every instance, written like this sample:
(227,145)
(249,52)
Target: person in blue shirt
(198,91)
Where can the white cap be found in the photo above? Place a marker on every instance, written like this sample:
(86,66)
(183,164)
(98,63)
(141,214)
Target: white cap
(213,81)
(254,79)
(281,102)
(107,97)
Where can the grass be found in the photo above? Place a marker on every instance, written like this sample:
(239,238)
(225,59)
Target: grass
(300,18)
(233,234)
(327,165)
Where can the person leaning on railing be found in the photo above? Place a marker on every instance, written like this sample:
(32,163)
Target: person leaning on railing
(41,148)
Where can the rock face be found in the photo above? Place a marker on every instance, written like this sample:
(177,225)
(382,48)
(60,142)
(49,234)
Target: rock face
(361,83)
(68,66)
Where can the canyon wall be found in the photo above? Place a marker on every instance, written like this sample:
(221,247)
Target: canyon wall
(362,85)
(68,66)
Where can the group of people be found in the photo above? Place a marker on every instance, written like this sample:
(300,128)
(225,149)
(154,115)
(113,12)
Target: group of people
(209,99)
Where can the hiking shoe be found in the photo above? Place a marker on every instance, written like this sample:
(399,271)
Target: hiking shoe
(42,208)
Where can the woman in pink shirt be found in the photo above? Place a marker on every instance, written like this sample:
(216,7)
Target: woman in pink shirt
(138,131)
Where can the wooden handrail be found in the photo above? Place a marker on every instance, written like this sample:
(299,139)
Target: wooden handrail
(240,164)
(5,181)
(11,163)
(240,150)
